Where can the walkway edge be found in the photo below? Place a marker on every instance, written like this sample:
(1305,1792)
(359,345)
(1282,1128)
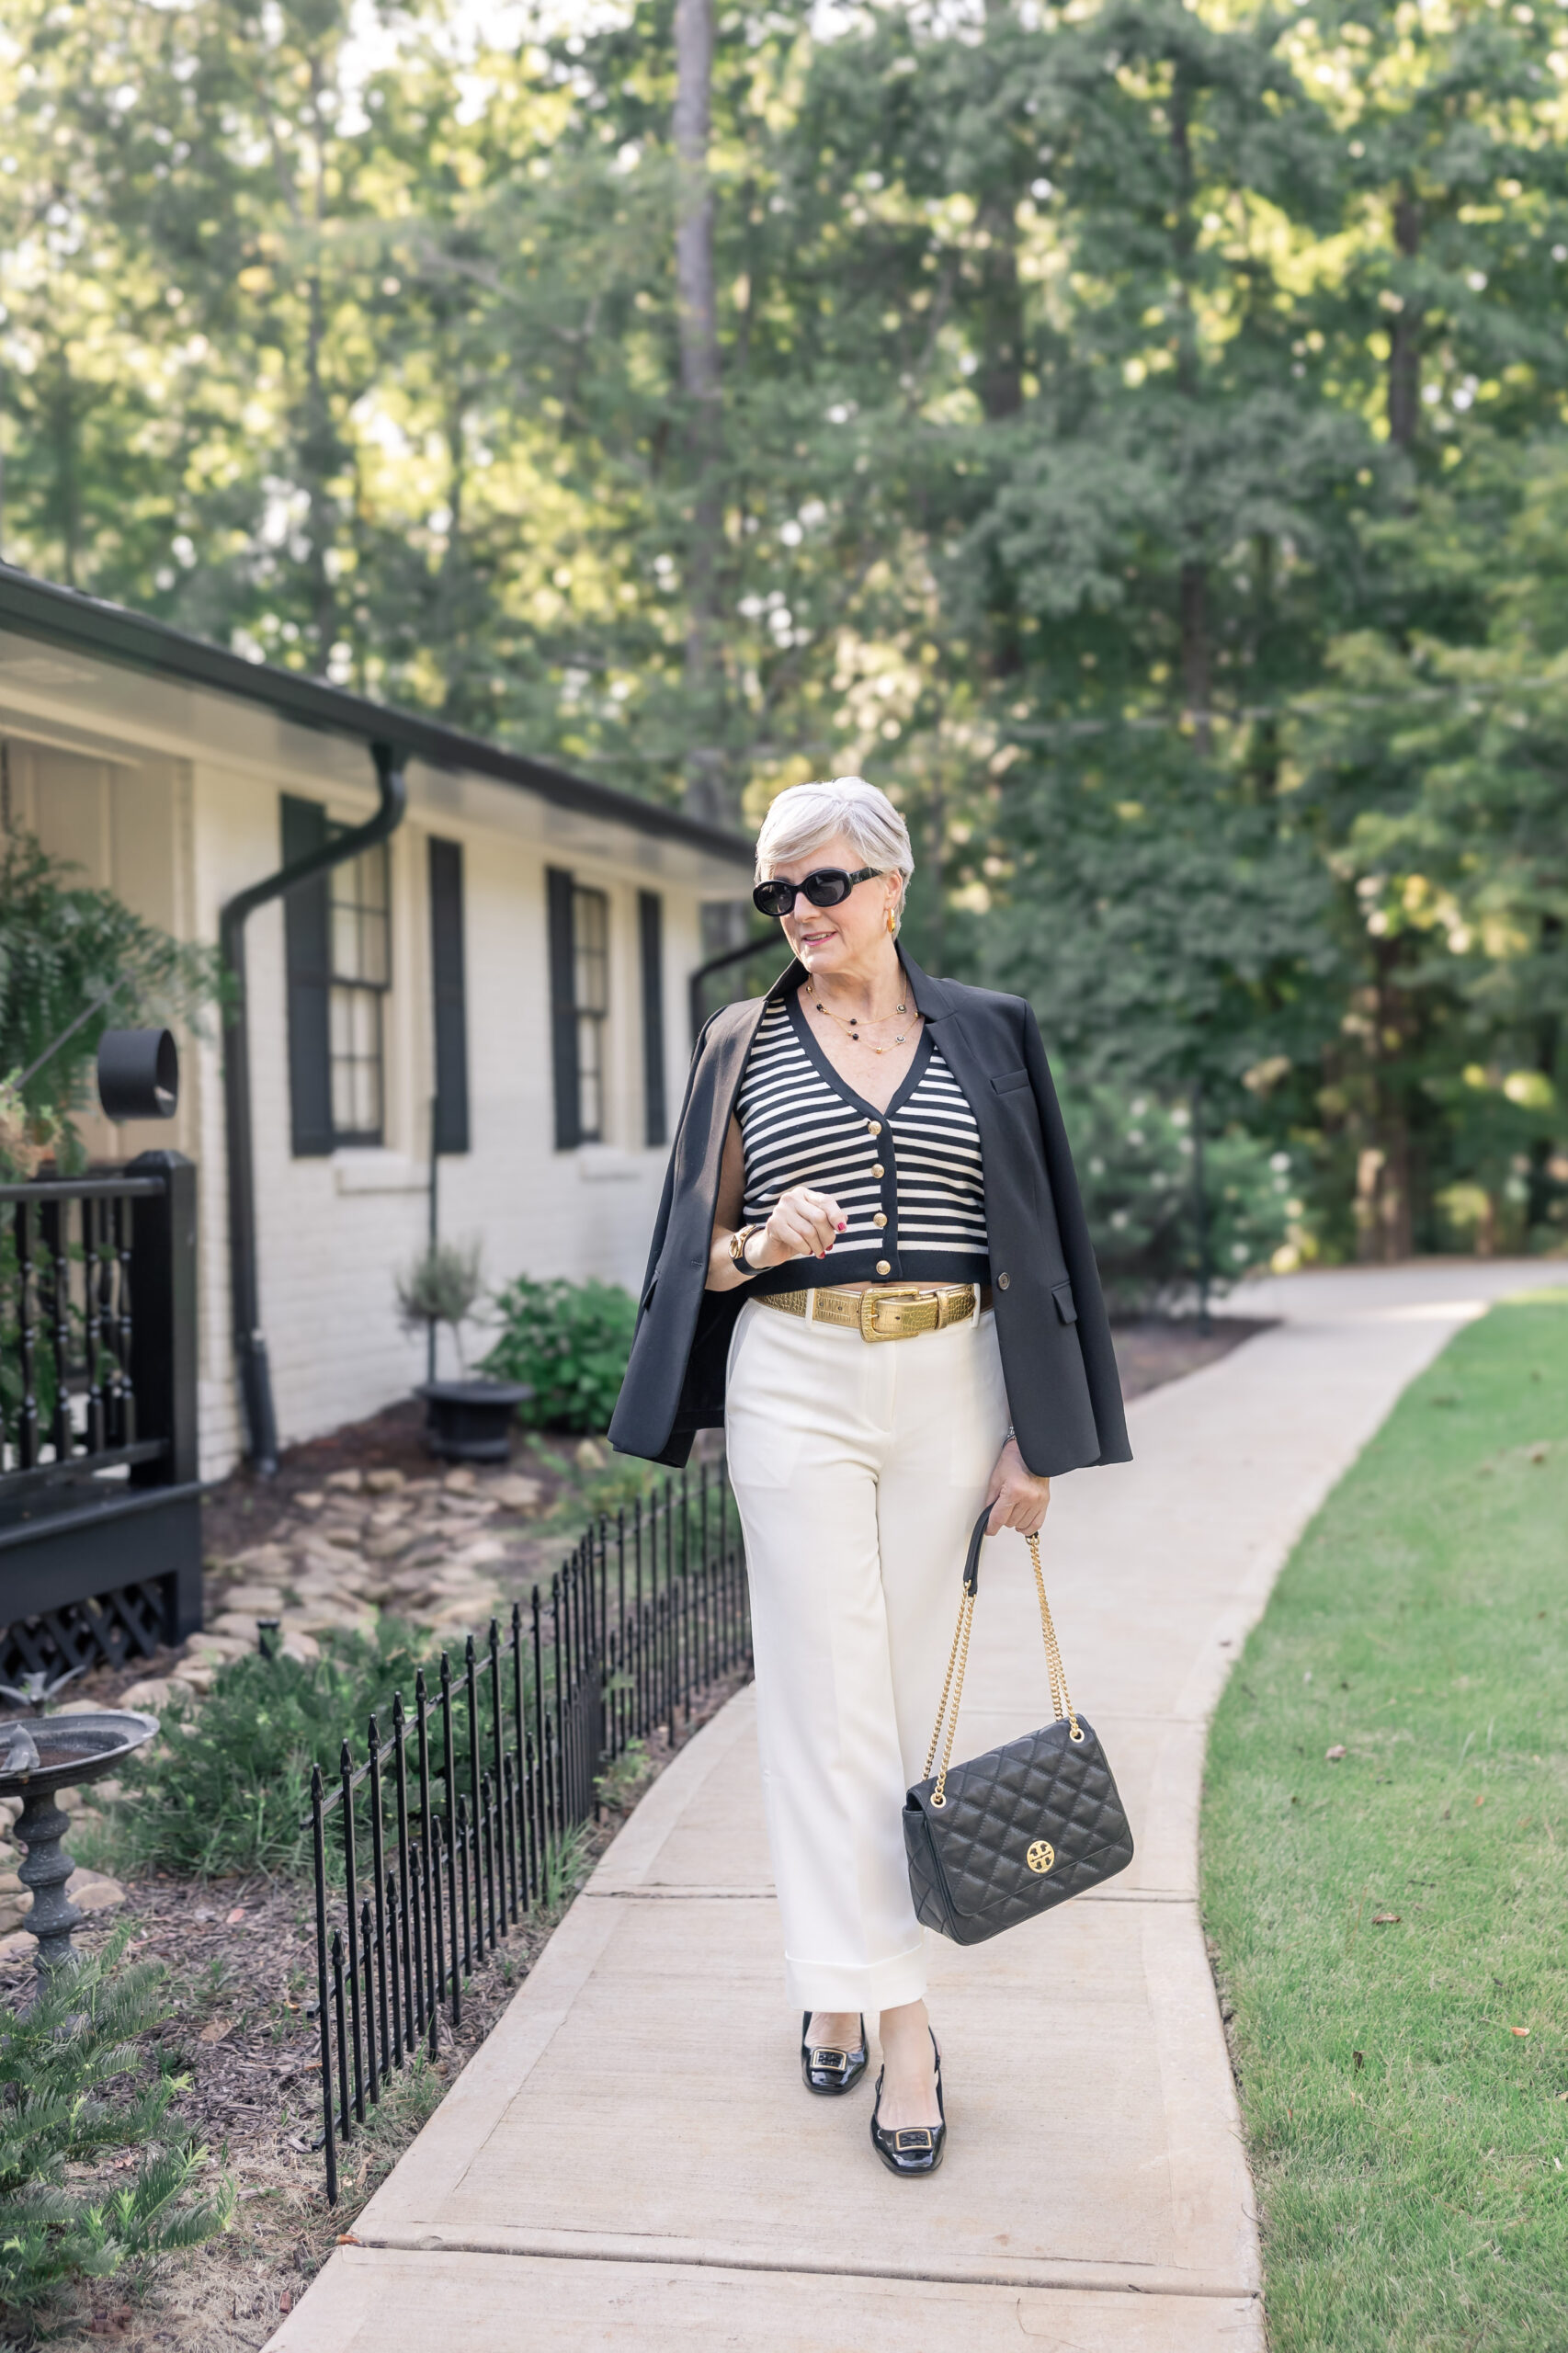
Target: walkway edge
(706,2254)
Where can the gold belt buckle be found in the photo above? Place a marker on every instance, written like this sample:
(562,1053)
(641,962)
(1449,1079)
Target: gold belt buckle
(870,1301)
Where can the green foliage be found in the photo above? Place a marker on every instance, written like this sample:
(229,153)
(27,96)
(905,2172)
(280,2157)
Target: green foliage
(443,1287)
(1391,1928)
(61,946)
(621,1783)
(1135,1157)
(570,1343)
(227,1786)
(73,2086)
(1139,446)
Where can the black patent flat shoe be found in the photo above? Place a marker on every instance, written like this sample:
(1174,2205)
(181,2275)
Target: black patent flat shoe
(911,2149)
(827,2071)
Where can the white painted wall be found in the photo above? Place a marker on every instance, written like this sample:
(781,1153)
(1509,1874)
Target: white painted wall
(164,818)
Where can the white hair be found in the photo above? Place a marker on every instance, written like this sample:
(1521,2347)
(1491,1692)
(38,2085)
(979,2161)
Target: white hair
(808,814)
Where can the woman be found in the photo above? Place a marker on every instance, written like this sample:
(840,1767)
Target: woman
(871,1265)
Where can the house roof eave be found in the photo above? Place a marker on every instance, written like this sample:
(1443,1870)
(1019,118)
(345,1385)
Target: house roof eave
(67,617)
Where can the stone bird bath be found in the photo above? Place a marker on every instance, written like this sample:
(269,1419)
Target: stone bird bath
(39,1756)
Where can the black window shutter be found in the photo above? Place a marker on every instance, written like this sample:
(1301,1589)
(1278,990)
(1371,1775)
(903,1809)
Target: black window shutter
(563,1011)
(651,939)
(451,1007)
(307,941)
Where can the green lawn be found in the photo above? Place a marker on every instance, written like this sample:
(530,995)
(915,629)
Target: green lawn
(1392,1930)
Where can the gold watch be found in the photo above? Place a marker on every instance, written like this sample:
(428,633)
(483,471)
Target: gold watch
(738,1246)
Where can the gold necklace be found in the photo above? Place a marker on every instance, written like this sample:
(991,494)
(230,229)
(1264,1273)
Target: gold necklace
(851,1022)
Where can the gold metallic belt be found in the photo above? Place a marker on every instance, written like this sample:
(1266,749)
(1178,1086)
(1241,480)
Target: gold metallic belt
(885,1312)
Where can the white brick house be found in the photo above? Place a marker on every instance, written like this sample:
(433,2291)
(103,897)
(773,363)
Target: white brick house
(172,772)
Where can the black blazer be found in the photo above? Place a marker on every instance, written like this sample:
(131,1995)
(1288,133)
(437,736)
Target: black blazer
(1062,1390)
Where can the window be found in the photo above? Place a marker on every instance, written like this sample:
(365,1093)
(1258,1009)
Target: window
(651,941)
(338,953)
(360,973)
(450,1006)
(590,956)
(579,990)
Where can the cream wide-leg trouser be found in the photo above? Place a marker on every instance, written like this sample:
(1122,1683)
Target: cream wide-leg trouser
(859,1469)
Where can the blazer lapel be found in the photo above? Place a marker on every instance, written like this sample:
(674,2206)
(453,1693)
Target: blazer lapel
(940,1010)
(730,1058)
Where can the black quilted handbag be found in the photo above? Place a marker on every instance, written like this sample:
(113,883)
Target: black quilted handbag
(1010,1834)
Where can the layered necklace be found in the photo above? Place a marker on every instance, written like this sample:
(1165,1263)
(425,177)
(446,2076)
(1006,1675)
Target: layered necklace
(851,1022)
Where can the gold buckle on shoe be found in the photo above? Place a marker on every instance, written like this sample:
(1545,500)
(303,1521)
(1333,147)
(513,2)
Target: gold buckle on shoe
(829,2062)
(913,2136)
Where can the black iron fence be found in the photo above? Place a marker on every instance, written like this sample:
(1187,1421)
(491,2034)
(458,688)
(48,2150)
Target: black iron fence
(100,1546)
(460,1818)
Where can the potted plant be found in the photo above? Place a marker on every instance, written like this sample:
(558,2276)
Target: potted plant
(465,1420)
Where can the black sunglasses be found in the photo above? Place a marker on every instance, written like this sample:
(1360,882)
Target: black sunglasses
(828,887)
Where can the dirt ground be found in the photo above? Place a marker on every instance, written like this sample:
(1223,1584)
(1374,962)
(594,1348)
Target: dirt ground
(239,1957)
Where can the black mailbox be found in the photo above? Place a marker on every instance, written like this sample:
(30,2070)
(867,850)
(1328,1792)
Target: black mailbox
(138,1074)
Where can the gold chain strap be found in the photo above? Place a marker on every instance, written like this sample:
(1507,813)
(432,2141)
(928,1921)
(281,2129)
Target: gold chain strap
(958,1660)
(948,1684)
(961,1648)
(1060,1702)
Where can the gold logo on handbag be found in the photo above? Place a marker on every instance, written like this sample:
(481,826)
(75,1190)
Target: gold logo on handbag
(1042,1854)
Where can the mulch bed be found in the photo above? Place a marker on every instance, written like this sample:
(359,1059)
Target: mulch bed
(1157,1350)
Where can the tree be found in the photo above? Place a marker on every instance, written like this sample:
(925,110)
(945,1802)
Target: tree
(1438,768)
(1102,427)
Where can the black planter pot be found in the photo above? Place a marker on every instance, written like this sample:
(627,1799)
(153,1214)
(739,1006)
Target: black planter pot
(470,1421)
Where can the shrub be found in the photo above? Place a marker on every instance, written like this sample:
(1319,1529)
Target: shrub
(1134,1160)
(66,2096)
(570,1343)
(227,1786)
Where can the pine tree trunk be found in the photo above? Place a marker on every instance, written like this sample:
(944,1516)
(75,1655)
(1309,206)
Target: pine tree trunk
(1404,335)
(1263,762)
(1192,593)
(707,785)
(67,479)
(1195,679)
(319,449)
(1384,1208)
(448,580)
(1000,379)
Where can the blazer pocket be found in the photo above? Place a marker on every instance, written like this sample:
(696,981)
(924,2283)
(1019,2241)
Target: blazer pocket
(1006,1080)
(1066,1305)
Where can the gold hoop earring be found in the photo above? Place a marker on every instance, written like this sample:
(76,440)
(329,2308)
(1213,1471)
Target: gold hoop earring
(892,924)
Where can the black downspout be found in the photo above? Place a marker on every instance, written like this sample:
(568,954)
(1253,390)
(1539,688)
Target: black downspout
(250,1342)
(741,955)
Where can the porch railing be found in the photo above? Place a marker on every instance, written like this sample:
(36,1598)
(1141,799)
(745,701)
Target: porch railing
(98,1415)
(456,1819)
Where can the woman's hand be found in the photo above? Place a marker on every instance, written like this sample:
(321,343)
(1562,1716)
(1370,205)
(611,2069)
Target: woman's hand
(1016,1498)
(804,1224)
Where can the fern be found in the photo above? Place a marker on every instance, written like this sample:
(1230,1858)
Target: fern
(61,946)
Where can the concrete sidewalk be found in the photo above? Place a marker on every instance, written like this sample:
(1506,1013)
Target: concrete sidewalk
(631,2162)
